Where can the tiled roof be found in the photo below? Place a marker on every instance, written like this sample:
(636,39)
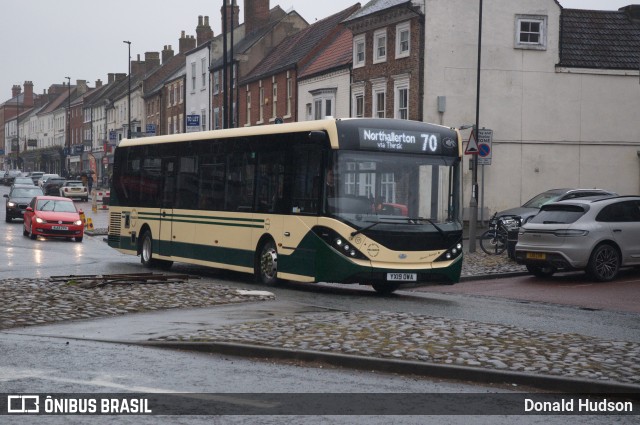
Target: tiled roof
(298,46)
(375,6)
(336,55)
(599,39)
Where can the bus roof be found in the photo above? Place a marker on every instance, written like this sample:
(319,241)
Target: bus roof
(331,125)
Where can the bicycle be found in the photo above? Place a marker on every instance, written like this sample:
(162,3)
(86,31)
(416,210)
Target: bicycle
(494,241)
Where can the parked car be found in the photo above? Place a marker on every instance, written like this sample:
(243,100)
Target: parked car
(9,176)
(23,180)
(74,189)
(53,216)
(532,206)
(45,178)
(598,235)
(18,199)
(53,185)
(35,176)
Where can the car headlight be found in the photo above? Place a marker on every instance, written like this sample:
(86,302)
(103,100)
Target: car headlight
(11,204)
(39,220)
(78,222)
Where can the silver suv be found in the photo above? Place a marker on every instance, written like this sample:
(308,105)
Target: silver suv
(597,234)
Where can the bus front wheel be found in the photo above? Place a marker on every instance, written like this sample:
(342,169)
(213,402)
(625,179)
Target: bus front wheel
(266,267)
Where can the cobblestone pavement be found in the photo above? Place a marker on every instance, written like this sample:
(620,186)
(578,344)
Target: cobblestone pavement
(376,334)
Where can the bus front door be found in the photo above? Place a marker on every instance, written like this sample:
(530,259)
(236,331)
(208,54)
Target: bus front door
(165,236)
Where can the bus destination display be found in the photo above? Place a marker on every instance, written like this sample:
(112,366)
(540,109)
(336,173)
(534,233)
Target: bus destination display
(400,141)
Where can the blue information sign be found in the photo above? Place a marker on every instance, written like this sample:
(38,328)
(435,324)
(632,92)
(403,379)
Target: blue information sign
(193,120)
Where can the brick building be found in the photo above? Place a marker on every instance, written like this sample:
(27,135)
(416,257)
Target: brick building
(269,91)
(388,64)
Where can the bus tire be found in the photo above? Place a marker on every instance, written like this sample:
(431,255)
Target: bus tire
(146,253)
(385,288)
(266,267)
(146,249)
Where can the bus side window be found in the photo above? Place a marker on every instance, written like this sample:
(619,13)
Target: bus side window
(306,179)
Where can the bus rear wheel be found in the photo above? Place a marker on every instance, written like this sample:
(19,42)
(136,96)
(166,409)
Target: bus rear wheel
(146,253)
(385,288)
(266,267)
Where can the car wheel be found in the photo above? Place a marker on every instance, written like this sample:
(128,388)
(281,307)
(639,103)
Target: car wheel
(7,218)
(78,238)
(266,264)
(604,263)
(31,234)
(541,271)
(385,288)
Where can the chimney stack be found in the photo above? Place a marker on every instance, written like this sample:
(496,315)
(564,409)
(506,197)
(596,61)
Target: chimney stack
(16,90)
(256,14)
(186,42)
(137,66)
(28,94)
(204,32)
(98,83)
(151,60)
(235,9)
(167,53)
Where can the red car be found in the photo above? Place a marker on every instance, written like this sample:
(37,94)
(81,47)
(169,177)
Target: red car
(53,216)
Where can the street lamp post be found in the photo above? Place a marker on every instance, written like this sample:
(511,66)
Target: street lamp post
(129,92)
(68,142)
(473,204)
(18,133)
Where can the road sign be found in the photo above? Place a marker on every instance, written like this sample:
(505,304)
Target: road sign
(485,139)
(151,129)
(472,145)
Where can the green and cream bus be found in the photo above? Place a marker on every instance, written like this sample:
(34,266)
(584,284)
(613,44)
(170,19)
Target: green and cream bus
(368,201)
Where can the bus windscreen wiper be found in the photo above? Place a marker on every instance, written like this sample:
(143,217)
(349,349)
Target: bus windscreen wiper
(407,219)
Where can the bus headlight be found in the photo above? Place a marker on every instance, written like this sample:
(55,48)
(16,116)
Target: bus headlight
(337,242)
(451,253)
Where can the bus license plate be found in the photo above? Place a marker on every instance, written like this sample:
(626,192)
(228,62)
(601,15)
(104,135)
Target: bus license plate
(536,256)
(59,227)
(402,277)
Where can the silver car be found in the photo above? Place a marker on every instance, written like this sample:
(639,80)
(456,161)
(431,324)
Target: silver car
(532,206)
(598,235)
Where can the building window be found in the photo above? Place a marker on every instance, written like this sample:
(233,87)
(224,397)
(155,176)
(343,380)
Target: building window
(274,100)
(180,91)
(309,112)
(379,104)
(216,118)
(203,120)
(261,106)
(193,77)
(323,103)
(358,51)
(248,107)
(216,82)
(401,91)
(358,105)
(380,46)
(289,94)
(203,65)
(403,39)
(531,32)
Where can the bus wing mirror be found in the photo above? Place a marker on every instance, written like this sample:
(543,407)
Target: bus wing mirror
(317,136)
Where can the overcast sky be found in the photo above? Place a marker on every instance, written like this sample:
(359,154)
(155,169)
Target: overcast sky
(45,41)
